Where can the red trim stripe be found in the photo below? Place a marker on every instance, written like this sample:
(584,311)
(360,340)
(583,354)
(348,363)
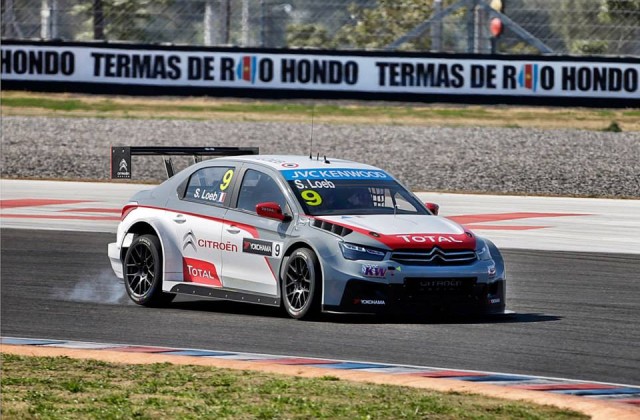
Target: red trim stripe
(92,210)
(499,227)
(251,229)
(499,217)
(395,241)
(35,202)
(57,217)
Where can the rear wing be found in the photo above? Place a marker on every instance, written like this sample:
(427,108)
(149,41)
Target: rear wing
(121,156)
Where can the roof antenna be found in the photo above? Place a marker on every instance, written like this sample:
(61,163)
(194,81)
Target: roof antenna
(313,110)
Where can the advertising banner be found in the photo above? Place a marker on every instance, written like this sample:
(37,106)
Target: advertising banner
(139,69)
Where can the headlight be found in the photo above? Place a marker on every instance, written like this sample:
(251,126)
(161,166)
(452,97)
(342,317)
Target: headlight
(483,253)
(359,252)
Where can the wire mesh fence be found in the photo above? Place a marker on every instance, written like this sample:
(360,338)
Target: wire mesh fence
(610,27)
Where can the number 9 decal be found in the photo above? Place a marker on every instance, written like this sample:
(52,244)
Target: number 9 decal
(226,180)
(311,197)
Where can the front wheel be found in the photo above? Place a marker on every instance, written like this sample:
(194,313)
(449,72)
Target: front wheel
(143,272)
(302,284)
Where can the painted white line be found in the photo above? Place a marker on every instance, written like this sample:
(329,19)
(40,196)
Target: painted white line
(537,223)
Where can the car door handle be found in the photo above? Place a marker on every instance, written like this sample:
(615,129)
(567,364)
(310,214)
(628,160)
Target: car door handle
(233,229)
(179,218)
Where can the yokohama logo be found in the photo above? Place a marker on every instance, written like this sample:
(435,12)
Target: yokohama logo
(256,246)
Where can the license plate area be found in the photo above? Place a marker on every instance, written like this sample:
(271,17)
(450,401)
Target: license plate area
(439,286)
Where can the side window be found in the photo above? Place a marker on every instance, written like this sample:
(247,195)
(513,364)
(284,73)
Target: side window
(210,185)
(258,187)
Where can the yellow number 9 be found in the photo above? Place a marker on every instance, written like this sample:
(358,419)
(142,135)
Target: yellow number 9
(226,180)
(311,197)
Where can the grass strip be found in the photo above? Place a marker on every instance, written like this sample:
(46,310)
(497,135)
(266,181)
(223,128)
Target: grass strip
(61,387)
(339,112)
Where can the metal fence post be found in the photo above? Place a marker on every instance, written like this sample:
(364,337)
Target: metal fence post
(245,23)
(45,20)
(436,27)
(471,25)
(208,26)
(98,20)
(263,27)
(225,11)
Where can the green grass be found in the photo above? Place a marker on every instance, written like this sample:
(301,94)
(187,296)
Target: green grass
(51,104)
(40,104)
(64,388)
(275,108)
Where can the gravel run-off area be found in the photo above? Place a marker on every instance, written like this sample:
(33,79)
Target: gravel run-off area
(479,160)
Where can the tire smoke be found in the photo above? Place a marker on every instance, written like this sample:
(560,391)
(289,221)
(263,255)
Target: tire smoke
(102,288)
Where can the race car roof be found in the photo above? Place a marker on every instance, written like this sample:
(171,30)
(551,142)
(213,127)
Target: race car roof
(287,162)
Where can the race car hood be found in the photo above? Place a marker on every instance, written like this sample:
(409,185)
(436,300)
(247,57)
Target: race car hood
(408,231)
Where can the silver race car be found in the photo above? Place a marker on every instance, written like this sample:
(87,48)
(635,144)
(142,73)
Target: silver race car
(309,234)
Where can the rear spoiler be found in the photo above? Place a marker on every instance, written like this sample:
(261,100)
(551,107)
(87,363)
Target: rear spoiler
(121,156)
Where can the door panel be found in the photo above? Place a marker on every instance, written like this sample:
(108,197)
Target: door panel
(198,218)
(254,265)
(260,240)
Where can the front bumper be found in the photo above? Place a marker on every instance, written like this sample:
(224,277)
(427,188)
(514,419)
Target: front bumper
(425,295)
(388,286)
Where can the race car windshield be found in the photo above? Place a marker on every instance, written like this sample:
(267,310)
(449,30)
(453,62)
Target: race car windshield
(357,197)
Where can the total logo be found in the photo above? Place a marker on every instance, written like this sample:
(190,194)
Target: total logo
(433,239)
(198,271)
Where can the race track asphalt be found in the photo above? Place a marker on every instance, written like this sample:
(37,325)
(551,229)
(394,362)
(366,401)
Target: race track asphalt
(578,315)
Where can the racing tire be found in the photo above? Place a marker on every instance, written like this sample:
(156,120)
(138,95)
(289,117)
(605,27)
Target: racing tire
(143,272)
(302,285)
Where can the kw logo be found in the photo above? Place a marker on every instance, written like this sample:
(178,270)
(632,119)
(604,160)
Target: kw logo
(189,239)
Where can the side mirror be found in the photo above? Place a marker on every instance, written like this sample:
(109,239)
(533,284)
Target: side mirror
(272,210)
(432,207)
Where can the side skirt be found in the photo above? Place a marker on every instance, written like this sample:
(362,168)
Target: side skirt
(208,292)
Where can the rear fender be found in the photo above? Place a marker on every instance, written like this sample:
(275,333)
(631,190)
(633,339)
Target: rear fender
(171,255)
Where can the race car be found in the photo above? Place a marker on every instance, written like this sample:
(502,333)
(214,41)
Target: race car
(305,233)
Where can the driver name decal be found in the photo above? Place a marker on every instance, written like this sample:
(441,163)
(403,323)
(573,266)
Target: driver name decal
(203,194)
(307,183)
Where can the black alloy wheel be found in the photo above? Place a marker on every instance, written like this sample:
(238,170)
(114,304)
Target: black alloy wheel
(302,284)
(143,272)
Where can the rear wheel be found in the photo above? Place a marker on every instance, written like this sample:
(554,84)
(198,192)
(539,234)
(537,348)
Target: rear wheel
(143,272)
(302,284)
